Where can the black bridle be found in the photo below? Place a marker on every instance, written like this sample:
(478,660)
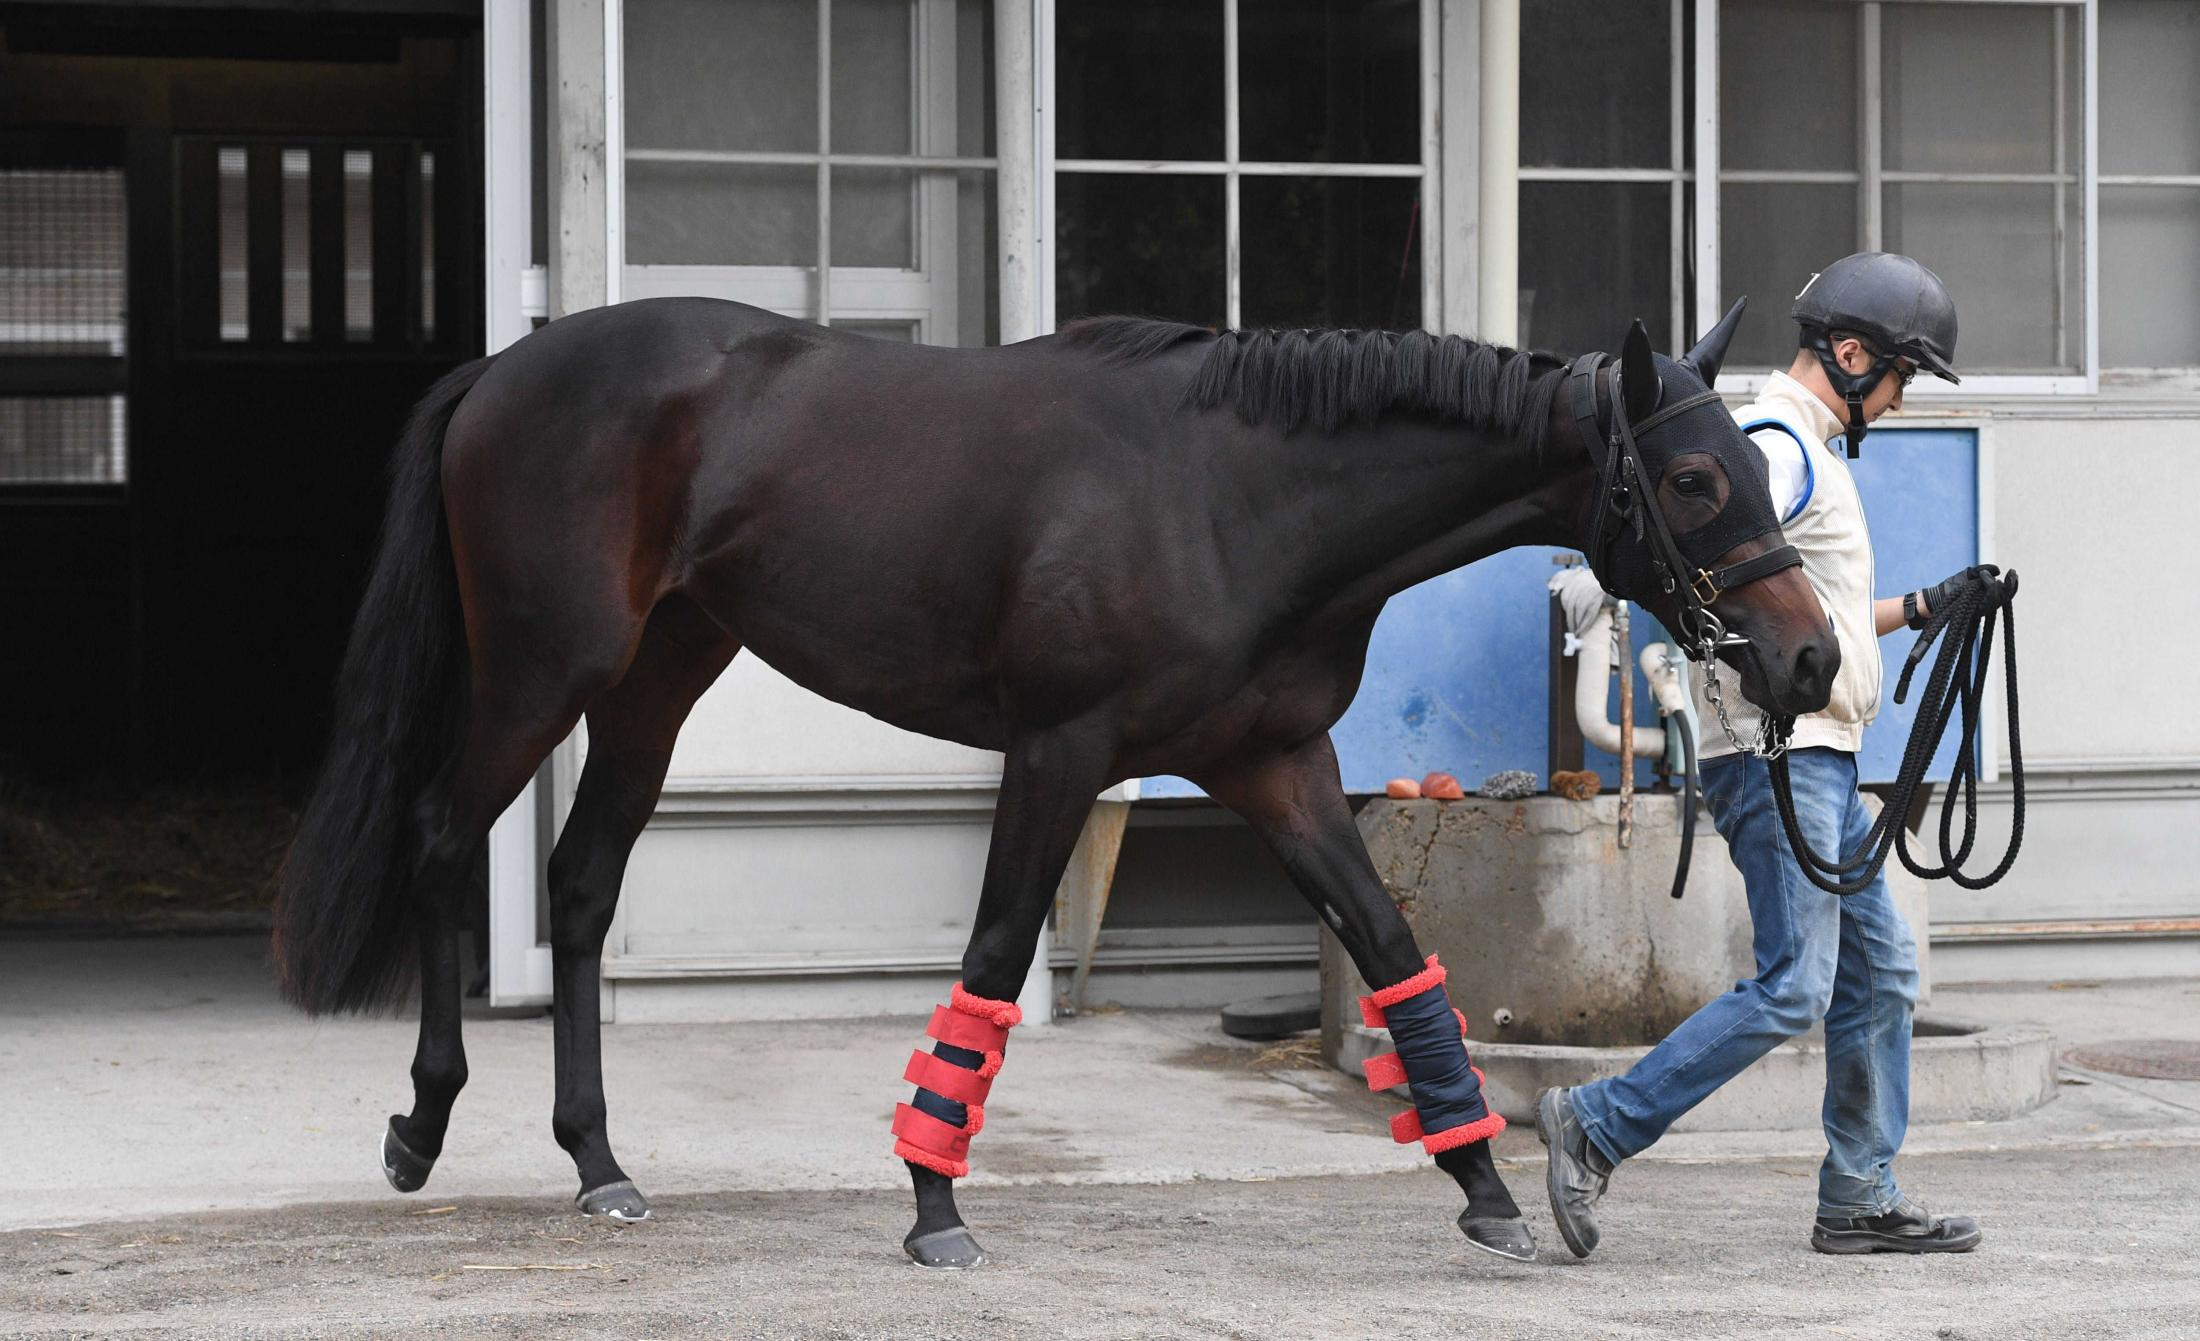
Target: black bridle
(1626,496)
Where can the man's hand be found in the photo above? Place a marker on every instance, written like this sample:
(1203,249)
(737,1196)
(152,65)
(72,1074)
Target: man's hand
(1940,594)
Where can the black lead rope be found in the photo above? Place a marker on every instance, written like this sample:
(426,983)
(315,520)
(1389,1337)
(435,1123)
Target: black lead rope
(1679,722)
(1952,693)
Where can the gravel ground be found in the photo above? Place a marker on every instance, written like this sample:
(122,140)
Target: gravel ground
(2079,1243)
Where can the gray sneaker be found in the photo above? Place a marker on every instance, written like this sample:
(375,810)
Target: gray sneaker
(1905,1228)
(1576,1173)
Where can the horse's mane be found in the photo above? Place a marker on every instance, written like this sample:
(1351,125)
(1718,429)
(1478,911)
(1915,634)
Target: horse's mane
(1328,378)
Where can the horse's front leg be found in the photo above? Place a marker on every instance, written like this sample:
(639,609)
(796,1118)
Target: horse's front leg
(1047,784)
(1294,800)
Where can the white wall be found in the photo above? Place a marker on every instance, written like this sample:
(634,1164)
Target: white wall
(2092,504)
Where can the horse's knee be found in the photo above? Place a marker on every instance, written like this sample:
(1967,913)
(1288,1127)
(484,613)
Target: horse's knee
(582,902)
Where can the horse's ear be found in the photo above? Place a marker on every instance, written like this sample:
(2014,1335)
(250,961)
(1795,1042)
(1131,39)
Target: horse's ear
(1710,352)
(1638,373)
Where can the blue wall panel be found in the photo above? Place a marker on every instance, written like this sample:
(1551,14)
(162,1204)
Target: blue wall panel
(1458,674)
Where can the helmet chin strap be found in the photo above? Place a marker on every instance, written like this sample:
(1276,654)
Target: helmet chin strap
(1853,388)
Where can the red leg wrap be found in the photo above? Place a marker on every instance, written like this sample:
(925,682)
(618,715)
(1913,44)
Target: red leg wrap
(1006,1014)
(1385,1072)
(1413,986)
(975,1024)
(1451,1138)
(966,1031)
(930,1142)
(946,1079)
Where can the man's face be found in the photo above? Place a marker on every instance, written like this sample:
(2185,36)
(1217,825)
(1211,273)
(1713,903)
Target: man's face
(1855,358)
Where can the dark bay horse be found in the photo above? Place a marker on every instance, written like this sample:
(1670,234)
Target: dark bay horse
(1131,548)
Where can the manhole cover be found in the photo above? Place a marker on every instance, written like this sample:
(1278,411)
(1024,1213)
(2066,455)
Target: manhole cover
(2147,1058)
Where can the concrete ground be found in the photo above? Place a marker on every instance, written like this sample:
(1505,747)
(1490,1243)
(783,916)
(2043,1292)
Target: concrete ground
(188,1159)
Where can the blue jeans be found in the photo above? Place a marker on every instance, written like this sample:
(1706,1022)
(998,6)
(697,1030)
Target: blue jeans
(1850,962)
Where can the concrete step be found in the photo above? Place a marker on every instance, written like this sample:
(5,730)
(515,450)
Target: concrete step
(1960,1071)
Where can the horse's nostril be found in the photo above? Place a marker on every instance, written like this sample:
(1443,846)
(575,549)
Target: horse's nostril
(1815,665)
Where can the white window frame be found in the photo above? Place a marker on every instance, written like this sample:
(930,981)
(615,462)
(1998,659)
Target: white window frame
(1234,169)
(1872,177)
(2180,377)
(1699,52)
(925,295)
(1677,173)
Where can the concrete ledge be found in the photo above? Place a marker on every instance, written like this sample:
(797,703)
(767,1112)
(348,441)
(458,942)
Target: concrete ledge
(1959,1072)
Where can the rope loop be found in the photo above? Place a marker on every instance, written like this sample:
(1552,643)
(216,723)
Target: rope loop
(1954,691)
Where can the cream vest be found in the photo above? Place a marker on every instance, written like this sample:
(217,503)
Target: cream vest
(1826,526)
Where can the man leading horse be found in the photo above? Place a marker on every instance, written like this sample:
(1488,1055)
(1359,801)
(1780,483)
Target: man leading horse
(1869,323)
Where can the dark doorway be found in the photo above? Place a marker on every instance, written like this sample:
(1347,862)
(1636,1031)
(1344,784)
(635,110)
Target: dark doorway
(235,244)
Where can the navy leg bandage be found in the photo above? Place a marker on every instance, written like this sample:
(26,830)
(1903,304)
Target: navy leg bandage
(1448,1107)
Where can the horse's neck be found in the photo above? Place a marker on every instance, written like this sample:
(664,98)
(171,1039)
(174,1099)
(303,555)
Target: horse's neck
(1396,503)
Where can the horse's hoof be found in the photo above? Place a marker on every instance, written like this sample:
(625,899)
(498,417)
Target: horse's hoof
(621,1202)
(1507,1237)
(951,1249)
(406,1171)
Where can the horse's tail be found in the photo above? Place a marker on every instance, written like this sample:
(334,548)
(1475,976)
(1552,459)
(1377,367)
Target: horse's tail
(344,924)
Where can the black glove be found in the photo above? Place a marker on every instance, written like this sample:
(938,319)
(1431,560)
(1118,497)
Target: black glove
(1941,595)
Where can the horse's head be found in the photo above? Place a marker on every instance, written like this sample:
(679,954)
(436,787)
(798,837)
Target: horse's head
(1682,520)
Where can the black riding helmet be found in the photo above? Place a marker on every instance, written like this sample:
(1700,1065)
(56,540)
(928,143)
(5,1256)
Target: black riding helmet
(1899,307)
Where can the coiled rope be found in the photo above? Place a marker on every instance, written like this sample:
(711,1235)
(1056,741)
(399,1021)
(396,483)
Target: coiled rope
(1953,693)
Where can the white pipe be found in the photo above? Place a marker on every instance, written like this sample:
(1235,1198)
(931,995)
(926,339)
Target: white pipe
(1016,188)
(1666,685)
(1498,211)
(1593,683)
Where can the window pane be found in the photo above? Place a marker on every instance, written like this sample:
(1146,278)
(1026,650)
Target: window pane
(2150,89)
(721,74)
(1138,79)
(358,245)
(427,245)
(874,217)
(1772,238)
(61,440)
(1593,257)
(973,80)
(900,332)
(297,244)
(872,77)
(1330,81)
(1995,247)
(1149,245)
(61,261)
(1332,251)
(231,227)
(1770,53)
(1596,84)
(2150,272)
(1971,88)
(716,214)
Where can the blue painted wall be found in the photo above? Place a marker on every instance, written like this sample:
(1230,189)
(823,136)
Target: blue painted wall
(1458,672)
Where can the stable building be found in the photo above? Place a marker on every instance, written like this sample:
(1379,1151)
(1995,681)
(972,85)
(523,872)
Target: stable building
(235,240)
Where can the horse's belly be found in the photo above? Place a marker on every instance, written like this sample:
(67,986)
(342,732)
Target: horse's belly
(874,655)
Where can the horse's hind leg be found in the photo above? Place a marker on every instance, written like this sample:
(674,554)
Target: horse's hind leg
(1047,784)
(631,730)
(1293,800)
(503,747)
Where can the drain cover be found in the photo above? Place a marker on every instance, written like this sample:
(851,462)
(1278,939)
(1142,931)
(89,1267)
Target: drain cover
(2147,1058)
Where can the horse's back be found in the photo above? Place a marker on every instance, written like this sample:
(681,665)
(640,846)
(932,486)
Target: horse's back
(875,519)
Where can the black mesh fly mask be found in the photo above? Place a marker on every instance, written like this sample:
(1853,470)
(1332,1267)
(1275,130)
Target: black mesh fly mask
(1685,566)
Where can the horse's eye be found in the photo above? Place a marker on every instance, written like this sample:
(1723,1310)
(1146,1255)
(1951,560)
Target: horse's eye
(1689,484)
